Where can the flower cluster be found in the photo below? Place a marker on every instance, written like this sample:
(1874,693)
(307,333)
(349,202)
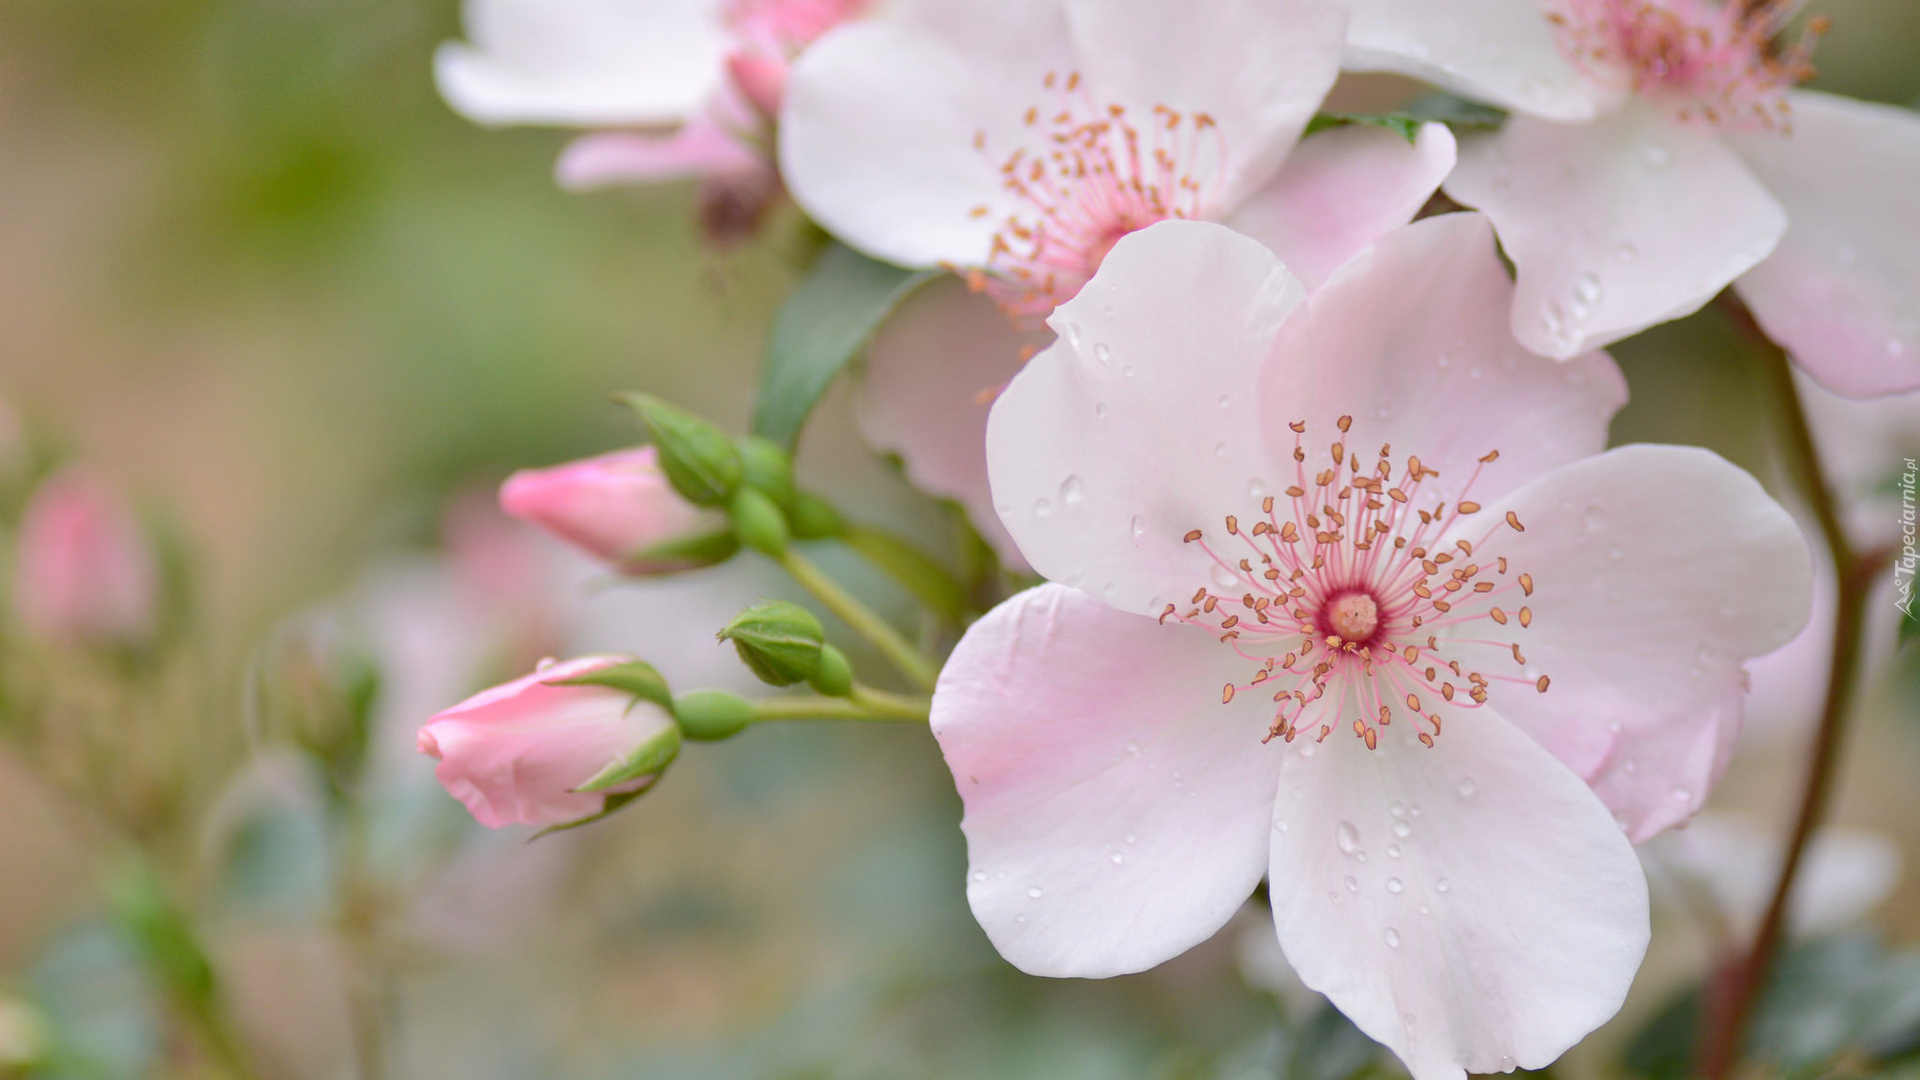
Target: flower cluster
(1318,567)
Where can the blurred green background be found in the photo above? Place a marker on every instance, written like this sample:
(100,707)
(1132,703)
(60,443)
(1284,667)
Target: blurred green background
(252,266)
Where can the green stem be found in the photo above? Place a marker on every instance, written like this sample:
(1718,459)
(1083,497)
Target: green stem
(897,649)
(865,703)
(1734,993)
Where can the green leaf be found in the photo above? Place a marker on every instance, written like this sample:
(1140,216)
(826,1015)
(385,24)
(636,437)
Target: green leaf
(636,677)
(1400,124)
(1456,112)
(650,758)
(818,330)
(909,566)
(690,552)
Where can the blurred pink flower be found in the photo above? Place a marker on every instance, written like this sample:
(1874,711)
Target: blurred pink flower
(1015,143)
(612,506)
(84,571)
(1431,703)
(514,754)
(1658,152)
(712,69)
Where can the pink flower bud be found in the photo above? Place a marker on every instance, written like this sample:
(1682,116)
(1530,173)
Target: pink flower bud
(514,754)
(83,570)
(612,506)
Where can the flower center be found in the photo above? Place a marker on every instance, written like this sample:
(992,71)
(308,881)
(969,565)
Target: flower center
(1712,60)
(1345,588)
(1087,176)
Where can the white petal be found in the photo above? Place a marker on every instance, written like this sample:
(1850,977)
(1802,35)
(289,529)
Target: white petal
(1340,190)
(1616,225)
(1472,906)
(1410,338)
(1657,571)
(1116,811)
(931,375)
(1259,67)
(1497,51)
(583,63)
(879,122)
(1140,423)
(1842,291)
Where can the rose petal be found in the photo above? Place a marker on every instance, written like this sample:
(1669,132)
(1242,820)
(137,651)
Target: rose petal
(931,376)
(1116,812)
(1616,225)
(1138,424)
(1498,51)
(1410,338)
(700,148)
(1839,292)
(1340,190)
(1472,905)
(1645,562)
(583,63)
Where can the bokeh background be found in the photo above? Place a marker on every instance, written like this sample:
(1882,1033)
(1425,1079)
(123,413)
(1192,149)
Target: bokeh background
(254,270)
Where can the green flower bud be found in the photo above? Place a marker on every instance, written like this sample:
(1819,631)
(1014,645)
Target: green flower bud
(814,518)
(698,458)
(711,715)
(781,642)
(758,522)
(835,676)
(768,468)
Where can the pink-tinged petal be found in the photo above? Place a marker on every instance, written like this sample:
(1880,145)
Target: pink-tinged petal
(1842,291)
(1472,905)
(701,148)
(1138,424)
(1259,68)
(1341,190)
(83,571)
(583,63)
(1410,338)
(879,126)
(611,506)
(931,375)
(514,754)
(1616,225)
(1498,51)
(1116,811)
(1657,572)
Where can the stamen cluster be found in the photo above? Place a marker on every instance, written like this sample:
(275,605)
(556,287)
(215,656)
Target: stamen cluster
(1342,592)
(1711,60)
(1089,177)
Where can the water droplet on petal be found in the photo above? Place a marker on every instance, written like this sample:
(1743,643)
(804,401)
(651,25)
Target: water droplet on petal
(979,875)
(1035,892)
(1127,370)
(1353,884)
(1118,858)
(1220,450)
(1019,918)
(1401,829)
(1656,156)
(1279,825)
(1099,410)
(1625,252)
(1394,886)
(1346,837)
(1223,577)
(1073,490)
(1425,910)
(1398,809)
(1896,347)
(1133,746)
(1682,795)
(1041,508)
(1443,885)
(1102,353)
(1393,938)
(1139,526)
(1467,787)
(1587,289)
(544,663)
(1226,401)
(1393,851)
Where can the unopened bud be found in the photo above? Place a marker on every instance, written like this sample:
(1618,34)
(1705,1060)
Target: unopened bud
(758,522)
(779,641)
(698,458)
(835,675)
(711,715)
(766,467)
(814,518)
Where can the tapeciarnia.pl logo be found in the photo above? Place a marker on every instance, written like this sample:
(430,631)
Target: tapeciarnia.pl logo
(1903,566)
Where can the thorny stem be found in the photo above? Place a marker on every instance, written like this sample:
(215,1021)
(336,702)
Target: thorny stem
(898,650)
(865,703)
(1736,988)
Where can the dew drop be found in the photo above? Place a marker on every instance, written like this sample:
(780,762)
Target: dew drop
(1394,886)
(1133,746)
(1041,508)
(1896,347)
(1073,490)
(1347,837)
(1682,795)
(1625,252)
(545,663)
(1127,370)
(1414,810)
(1019,918)
(1467,788)
(1073,334)
(1226,401)
(1102,353)
(1445,361)
(1099,410)
(1279,825)
(1613,726)
(1353,884)
(1393,851)
(1402,830)
(1223,577)
(1656,156)
(1587,289)
(1117,858)
(1393,938)
(1035,892)
(1425,910)
(1256,489)
(1443,885)
(1131,838)
(1139,526)
(1219,449)
(979,875)
(1630,765)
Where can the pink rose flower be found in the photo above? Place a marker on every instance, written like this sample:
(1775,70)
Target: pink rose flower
(516,753)
(1659,151)
(83,569)
(612,506)
(1346,595)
